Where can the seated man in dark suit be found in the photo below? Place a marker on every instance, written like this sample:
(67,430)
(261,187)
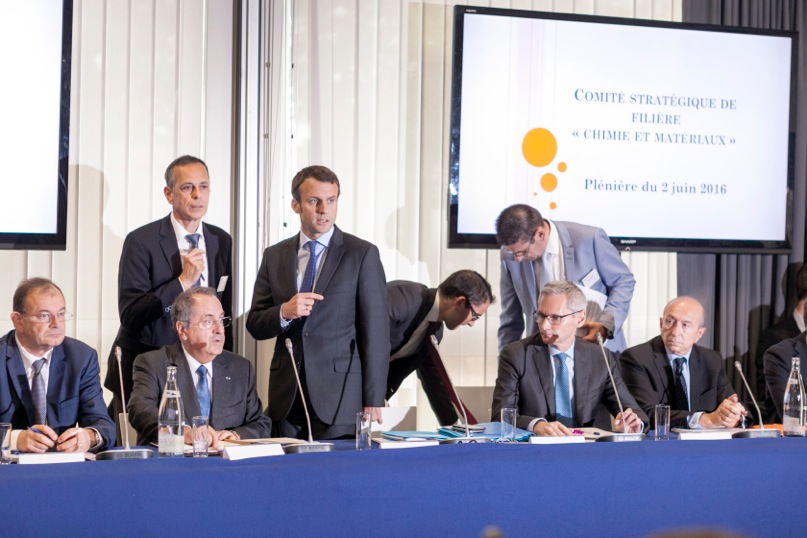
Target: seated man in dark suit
(789,327)
(556,380)
(671,370)
(778,361)
(415,314)
(213,382)
(50,390)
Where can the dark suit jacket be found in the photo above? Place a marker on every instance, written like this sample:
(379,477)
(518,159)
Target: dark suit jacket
(409,303)
(777,364)
(148,284)
(525,382)
(344,343)
(74,389)
(234,404)
(649,377)
(786,328)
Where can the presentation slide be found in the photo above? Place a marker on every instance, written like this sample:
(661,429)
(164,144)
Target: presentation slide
(31,56)
(644,131)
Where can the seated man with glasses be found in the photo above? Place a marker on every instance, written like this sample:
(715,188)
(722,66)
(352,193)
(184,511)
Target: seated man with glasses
(415,314)
(556,380)
(212,382)
(671,370)
(50,389)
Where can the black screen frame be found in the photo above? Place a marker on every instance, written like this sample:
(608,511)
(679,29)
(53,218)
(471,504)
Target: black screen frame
(705,245)
(58,239)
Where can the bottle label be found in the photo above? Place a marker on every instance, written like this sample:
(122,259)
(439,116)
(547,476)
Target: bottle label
(170,444)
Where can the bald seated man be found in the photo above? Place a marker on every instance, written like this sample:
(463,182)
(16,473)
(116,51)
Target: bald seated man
(671,369)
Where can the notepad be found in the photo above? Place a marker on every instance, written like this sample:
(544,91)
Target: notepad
(27,458)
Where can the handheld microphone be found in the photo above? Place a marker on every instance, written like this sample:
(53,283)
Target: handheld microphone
(468,438)
(625,436)
(312,446)
(125,453)
(761,432)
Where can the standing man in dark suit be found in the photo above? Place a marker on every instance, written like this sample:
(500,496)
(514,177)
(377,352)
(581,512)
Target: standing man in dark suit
(789,327)
(50,389)
(415,314)
(159,261)
(536,251)
(556,380)
(325,291)
(213,382)
(671,370)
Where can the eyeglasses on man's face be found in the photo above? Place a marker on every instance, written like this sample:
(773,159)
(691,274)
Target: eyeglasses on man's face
(553,319)
(474,314)
(208,323)
(48,317)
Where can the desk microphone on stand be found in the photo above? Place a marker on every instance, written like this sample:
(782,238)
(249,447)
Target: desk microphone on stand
(616,437)
(125,453)
(761,432)
(468,438)
(311,446)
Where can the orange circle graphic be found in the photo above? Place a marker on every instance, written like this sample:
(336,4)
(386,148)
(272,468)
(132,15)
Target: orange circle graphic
(539,147)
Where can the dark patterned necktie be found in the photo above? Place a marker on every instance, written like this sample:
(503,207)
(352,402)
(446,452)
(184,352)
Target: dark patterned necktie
(310,268)
(39,393)
(193,241)
(681,398)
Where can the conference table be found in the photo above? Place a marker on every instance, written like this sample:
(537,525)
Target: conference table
(753,486)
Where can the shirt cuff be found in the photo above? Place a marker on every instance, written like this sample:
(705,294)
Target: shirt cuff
(693,421)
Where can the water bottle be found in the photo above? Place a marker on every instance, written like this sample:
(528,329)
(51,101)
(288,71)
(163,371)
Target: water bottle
(171,436)
(793,409)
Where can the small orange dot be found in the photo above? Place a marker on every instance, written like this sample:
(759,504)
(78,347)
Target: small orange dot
(561,167)
(553,205)
(549,182)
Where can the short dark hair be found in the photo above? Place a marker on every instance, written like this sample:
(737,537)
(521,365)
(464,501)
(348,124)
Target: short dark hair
(182,308)
(27,286)
(517,223)
(185,160)
(801,282)
(468,284)
(317,172)
(575,298)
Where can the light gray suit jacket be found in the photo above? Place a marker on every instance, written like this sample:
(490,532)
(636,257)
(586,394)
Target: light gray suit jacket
(234,404)
(525,381)
(585,249)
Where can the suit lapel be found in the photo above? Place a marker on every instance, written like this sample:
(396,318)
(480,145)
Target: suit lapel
(211,249)
(582,373)
(168,245)
(16,373)
(539,355)
(222,388)
(187,389)
(567,249)
(56,380)
(527,271)
(331,262)
(663,370)
(287,269)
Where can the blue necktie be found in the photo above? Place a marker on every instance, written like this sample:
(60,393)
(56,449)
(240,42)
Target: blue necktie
(39,393)
(203,392)
(310,268)
(193,241)
(681,398)
(563,397)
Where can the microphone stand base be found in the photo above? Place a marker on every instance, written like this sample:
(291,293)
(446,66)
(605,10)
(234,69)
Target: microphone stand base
(621,438)
(308,448)
(135,453)
(757,434)
(465,440)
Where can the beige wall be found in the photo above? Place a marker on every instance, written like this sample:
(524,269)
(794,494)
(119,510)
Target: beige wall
(152,79)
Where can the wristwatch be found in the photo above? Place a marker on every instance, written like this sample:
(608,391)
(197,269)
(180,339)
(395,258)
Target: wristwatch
(97,439)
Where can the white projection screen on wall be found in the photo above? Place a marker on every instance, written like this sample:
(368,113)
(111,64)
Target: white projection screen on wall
(672,137)
(35,51)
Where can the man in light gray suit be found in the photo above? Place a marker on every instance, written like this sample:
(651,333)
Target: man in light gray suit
(213,382)
(536,251)
(556,380)
(324,291)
